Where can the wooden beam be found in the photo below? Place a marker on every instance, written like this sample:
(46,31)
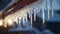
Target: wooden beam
(17,6)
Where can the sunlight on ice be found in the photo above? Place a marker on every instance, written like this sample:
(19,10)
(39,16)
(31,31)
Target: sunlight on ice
(1,22)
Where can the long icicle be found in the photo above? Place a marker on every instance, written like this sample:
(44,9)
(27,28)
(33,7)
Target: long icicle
(52,10)
(51,4)
(48,13)
(31,19)
(48,8)
(26,17)
(43,15)
(35,14)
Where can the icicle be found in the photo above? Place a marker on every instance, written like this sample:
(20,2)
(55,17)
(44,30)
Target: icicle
(43,15)
(31,19)
(26,19)
(48,13)
(36,10)
(35,14)
(23,21)
(28,12)
(51,4)
(47,6)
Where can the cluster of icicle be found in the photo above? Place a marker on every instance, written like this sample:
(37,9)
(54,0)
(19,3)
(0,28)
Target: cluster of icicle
(34,9)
